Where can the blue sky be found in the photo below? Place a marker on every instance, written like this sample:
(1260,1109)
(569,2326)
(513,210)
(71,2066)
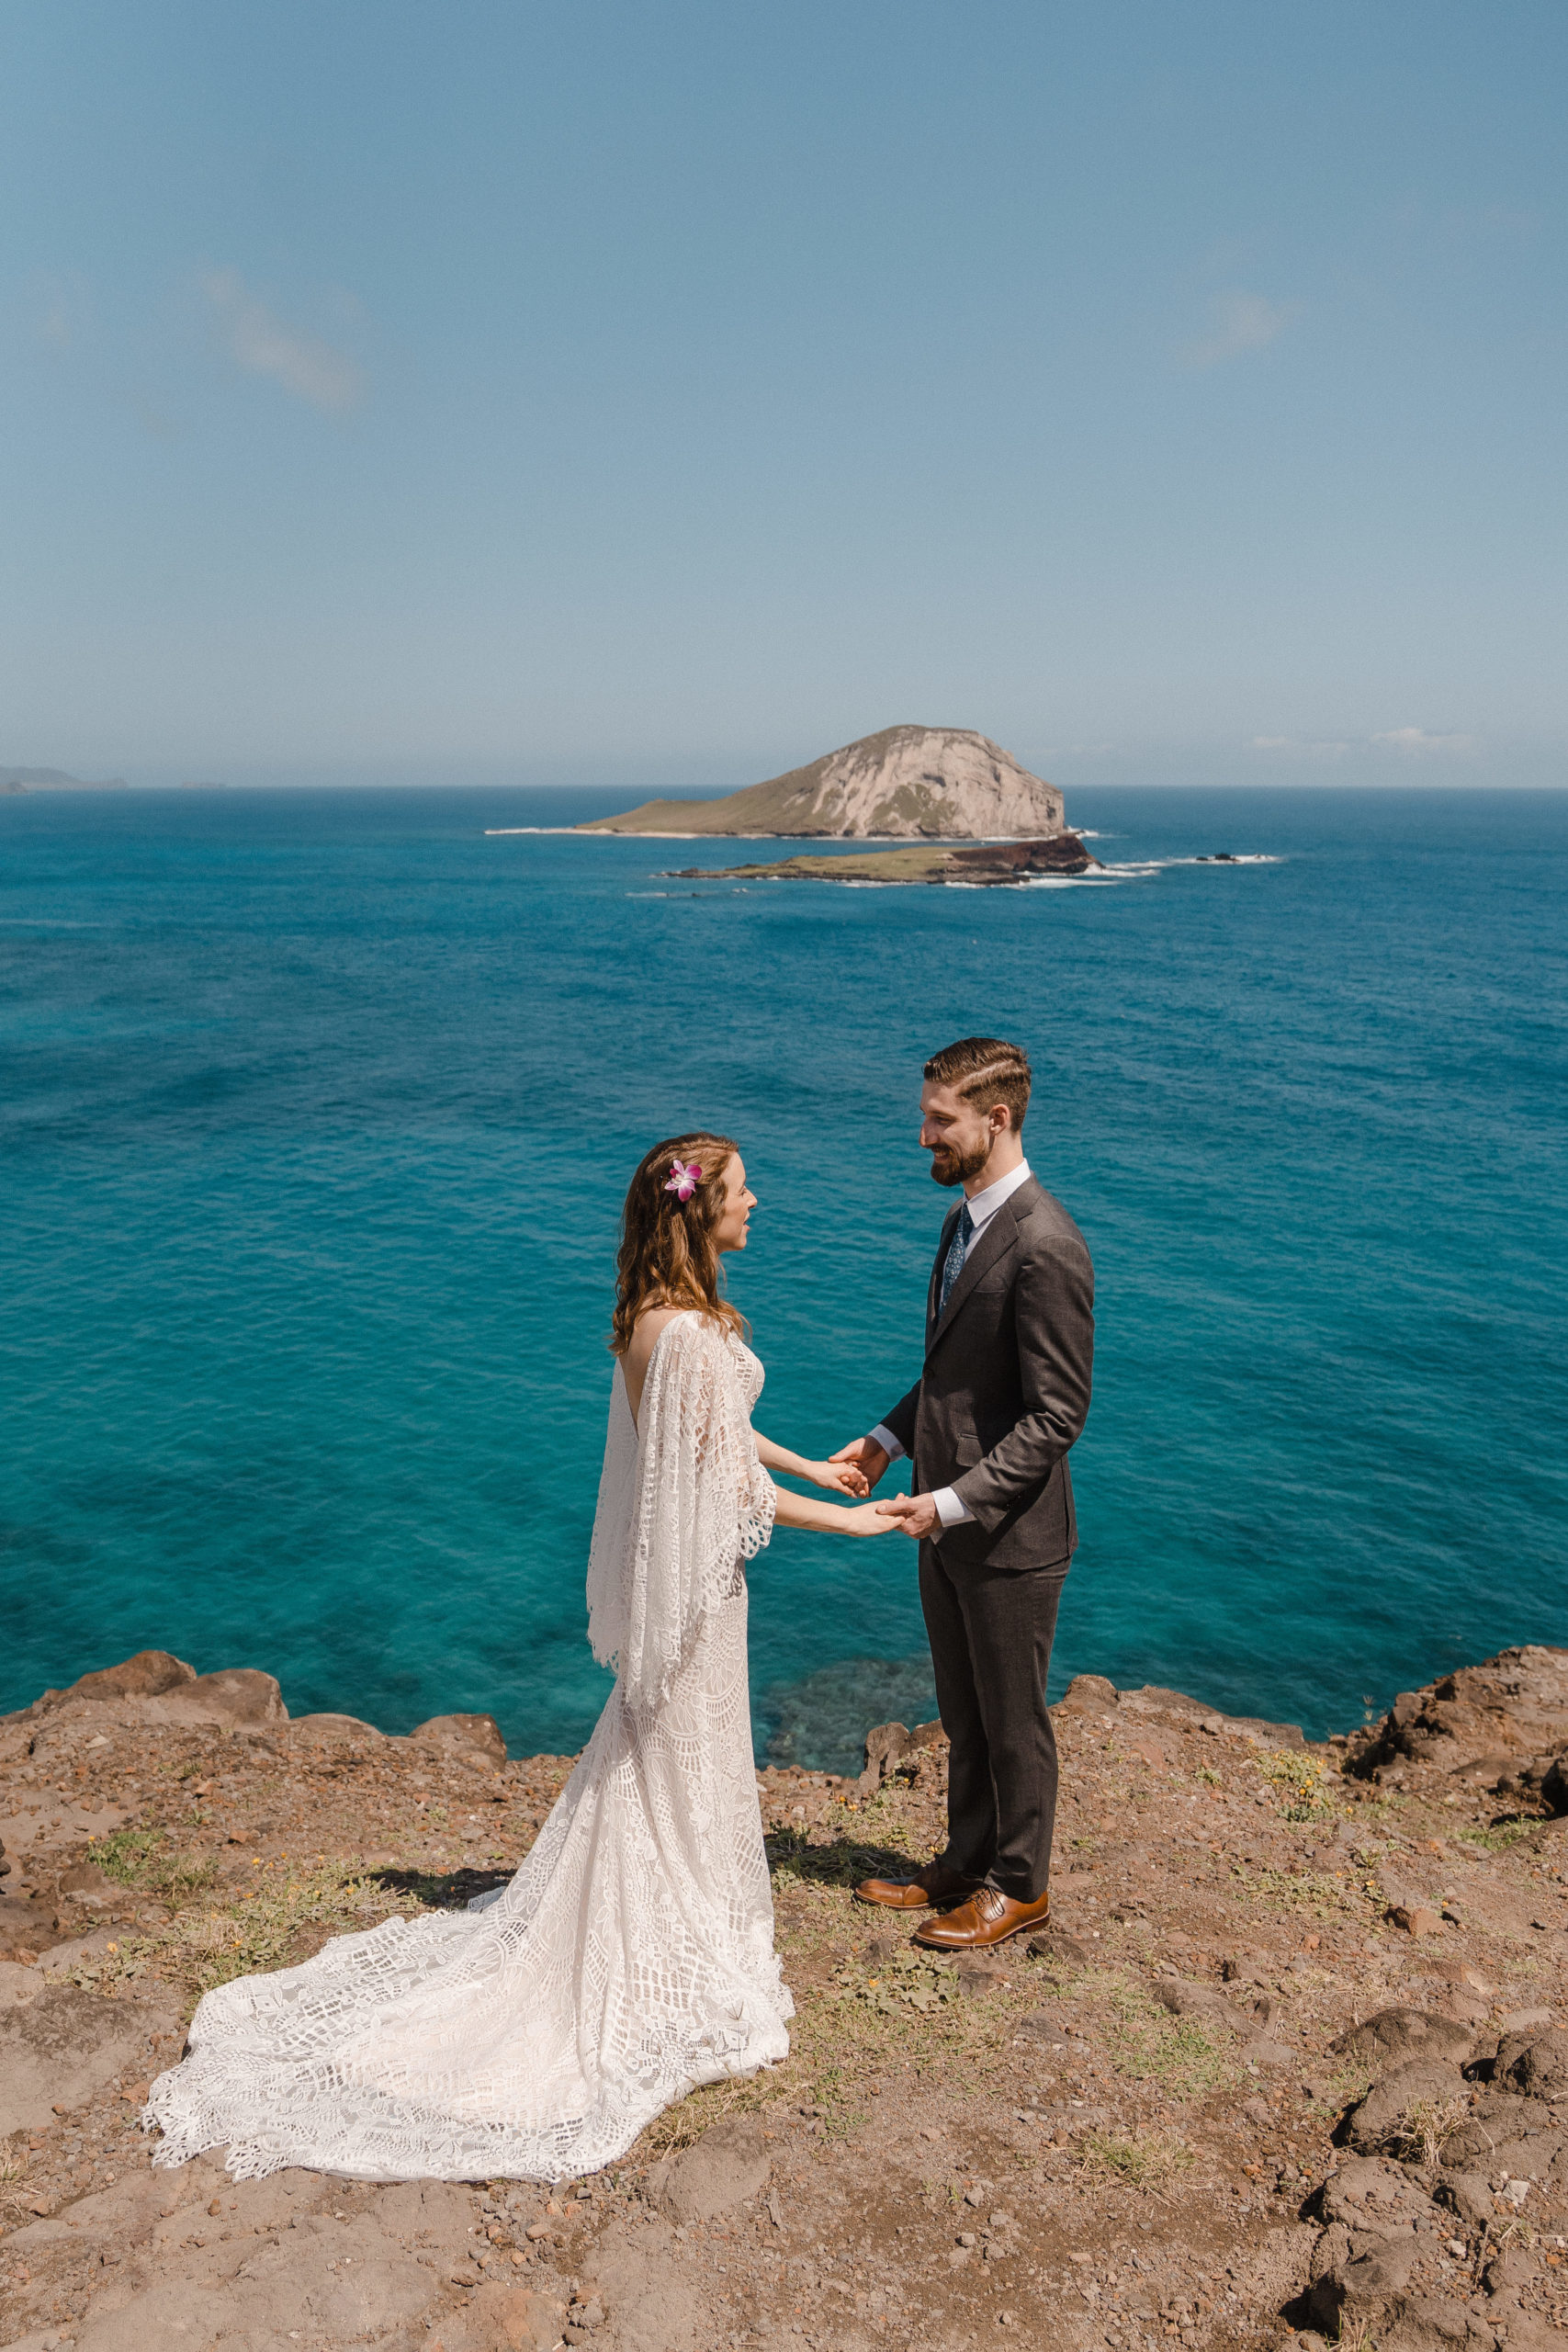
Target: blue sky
(1172,393)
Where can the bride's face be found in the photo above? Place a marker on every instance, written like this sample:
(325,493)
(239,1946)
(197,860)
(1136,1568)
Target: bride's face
(729,1233)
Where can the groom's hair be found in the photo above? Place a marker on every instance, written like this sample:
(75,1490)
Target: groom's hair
(985,1071)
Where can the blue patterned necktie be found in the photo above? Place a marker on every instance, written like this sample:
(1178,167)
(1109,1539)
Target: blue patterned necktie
(957,1250)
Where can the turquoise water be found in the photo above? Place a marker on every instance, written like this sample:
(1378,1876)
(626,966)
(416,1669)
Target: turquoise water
(315,1114)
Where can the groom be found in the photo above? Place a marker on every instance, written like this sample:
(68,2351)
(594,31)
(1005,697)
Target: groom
(1004,1392)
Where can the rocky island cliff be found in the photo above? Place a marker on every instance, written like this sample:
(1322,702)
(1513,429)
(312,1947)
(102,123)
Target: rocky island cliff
(987,866)
(1287,2066)
(906,782)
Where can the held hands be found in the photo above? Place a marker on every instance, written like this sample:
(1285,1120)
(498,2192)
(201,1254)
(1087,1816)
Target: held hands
(867,1457)
(916,1514)
(869,1519)
(839,1477)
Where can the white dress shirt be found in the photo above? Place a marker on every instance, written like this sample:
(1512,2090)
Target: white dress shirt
(983,1206)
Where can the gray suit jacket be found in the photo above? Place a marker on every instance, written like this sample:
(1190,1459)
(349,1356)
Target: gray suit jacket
(1006,1386)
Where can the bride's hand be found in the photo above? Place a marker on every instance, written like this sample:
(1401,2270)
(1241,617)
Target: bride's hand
(838,1477)
(868,1520)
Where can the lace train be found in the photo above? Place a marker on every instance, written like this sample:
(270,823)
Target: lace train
(630,1959)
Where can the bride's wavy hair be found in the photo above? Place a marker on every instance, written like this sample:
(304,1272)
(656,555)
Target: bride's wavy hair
(667,1256)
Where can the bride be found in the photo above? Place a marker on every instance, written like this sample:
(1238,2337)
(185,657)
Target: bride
(632,1956)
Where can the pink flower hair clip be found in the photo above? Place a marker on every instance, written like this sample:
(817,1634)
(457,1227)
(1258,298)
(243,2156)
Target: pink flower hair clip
(684,1181)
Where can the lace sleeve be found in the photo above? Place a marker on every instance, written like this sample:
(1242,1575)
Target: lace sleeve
(700,1501)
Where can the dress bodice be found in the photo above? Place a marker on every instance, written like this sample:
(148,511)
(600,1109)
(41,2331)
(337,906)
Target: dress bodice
(748,1369)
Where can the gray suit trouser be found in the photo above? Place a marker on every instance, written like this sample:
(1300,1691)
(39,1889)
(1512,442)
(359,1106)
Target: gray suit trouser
(990,1631)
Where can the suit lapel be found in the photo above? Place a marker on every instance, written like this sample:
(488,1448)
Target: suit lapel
(997,1236)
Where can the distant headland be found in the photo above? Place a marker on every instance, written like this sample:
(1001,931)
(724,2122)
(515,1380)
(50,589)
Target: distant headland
(905,784)
(55,780)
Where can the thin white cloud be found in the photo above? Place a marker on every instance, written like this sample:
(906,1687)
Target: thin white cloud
(263,344)
(1415,743)
(1238,323)
(1411,742)
(1303,747)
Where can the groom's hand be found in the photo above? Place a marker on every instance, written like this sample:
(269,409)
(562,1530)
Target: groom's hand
(867,1456)
(917,1514)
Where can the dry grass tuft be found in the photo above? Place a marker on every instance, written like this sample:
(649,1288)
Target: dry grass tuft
(1425,2126)
(682,2126)
(254,1932)
(1151,2045)
(1139,2159)
(1317,1895)
(144,1860)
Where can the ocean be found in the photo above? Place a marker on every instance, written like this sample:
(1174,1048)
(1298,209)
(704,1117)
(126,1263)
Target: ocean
(316,1111)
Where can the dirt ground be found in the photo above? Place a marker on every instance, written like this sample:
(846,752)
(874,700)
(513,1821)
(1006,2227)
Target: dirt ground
(1285,2066)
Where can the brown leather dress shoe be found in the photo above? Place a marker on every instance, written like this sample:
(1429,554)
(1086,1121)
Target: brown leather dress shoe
(934,1885)
(988,1917)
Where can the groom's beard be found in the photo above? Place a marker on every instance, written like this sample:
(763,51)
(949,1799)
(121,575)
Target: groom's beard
(951,1166)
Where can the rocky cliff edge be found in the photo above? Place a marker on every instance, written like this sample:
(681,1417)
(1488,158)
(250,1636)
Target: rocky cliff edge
(1288,2066)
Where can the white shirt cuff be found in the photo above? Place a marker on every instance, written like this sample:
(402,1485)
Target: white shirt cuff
(949,1509)
(883,1436)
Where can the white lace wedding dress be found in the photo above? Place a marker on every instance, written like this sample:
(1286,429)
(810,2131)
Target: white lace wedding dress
(632,1956)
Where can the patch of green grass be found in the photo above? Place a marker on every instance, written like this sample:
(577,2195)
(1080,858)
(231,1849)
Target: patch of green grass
(1139,2160)
(144,1860)
(128,1855)
(842,1861)
(1300,1782)
(254,1932)
(909,1980)
(1318,1893)
(1381,1807)
(1342,2086)
(853,2028)
(1501,1835)
(1152,2046)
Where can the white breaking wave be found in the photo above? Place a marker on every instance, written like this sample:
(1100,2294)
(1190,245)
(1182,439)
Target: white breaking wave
(1111,876)
(1141,870)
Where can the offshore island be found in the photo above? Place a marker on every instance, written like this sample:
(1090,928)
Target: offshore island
(929,786)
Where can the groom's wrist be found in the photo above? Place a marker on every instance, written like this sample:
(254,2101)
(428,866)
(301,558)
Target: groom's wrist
(950,1510)
(883,1436)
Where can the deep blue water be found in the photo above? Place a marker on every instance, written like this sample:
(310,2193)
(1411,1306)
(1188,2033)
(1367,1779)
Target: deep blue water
(315,1114)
